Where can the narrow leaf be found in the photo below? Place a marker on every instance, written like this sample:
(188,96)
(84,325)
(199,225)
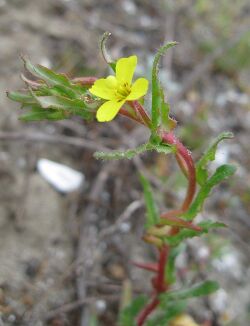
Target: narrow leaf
(167,314)
(20,97)
(221,173)
(156,88)
(128,315)
(184,234)
(152,216)
(104,51)
(43,115)
(46,74)
(170,268)
(209,155)
(201,289)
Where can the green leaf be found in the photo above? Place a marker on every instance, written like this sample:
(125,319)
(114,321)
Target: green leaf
(37,114)
(63,91)
(202,289)
(184,234)
(46,74)
(156,88)
(152,216)
(221,173)
(71,106)
(128,315)
(209,155)
(169,312)
(93,320)
(104,51)
(20,97)
(170,268)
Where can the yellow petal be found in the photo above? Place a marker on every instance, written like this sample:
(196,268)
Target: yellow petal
(108,110)
(125,68)
(103,88)
(138,89)
(183,320)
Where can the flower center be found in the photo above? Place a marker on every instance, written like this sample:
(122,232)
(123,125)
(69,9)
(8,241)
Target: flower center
(122,91)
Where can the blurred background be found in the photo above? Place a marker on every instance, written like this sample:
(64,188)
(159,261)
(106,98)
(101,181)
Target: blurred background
(65,256)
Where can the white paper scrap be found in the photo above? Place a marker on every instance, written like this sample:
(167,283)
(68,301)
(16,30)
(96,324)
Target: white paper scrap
(63,178)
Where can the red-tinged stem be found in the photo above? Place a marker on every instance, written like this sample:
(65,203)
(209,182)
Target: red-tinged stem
(182,165)
(161,285)
(125,113)
(151,267)
(85,81)
(176,221)
(141,112)
(148,309)
(172,213)
(170,138)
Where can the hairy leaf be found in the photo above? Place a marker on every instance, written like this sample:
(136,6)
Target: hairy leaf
(104,51)
(221,173)
(152,216)
(41,114)
(170,268)
(209,155)
(202,289)
(169,312)
(71,106)
(46,74)
(156,87)
(128,315)
(184,234)
(21,97)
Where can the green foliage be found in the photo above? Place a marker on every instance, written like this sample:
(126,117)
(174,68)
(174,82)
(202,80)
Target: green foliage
(52,97)
(221,173)
(170,268)
(37,113)
(209,155)
(128,314)
(119,155)
(160,109)
(152,216)
(184,234)
(202,289)
(170,311)
(130,153)
(93,320)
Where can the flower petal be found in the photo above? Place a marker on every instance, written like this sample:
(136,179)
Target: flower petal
(108,110)
(103,88)
(138,89)
(125,68)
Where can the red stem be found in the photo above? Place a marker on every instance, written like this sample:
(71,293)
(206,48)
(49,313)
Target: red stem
(161,284)
(170,138)
(139,109)
(151,267)
(85,81)
(125,113)
(147,311)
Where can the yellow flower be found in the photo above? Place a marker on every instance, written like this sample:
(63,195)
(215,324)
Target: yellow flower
(183,320)
(118,89)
